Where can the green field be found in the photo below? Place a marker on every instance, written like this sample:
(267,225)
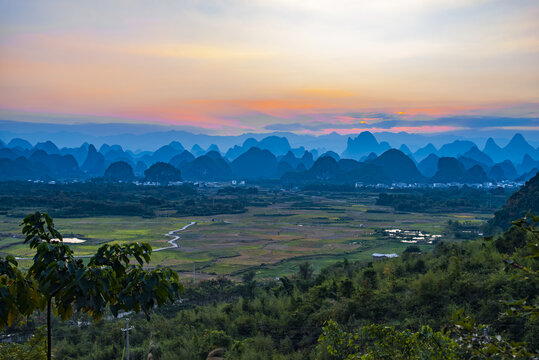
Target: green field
(271,240)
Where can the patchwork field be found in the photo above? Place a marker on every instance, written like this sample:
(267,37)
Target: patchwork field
(272,240)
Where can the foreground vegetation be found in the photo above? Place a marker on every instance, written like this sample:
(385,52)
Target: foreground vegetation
(59,282)
(471,299)
(383,310)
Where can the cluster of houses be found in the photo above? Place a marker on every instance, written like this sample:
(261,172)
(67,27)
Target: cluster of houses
(486,185)
(411,236)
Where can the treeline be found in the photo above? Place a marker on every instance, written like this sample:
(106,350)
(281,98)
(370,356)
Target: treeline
(119,199)
(284,319)
(448,199)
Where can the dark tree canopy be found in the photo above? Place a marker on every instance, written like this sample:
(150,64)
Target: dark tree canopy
(58,281)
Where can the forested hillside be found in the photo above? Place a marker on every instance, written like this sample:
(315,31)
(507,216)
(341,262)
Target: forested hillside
(523,201)
(283,319)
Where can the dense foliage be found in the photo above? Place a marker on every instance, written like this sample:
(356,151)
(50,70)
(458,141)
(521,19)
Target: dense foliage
(412,299)
(107,199)
(448,199)
(523,201)
(60,282)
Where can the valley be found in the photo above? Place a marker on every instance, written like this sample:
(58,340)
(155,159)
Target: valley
(271,240)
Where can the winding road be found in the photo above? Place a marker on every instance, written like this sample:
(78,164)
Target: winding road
(174,237)
(172,242)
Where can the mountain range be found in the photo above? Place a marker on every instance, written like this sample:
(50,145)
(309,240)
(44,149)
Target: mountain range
(364,159)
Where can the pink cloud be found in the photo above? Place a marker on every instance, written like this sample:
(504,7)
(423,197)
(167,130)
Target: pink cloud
(409,129)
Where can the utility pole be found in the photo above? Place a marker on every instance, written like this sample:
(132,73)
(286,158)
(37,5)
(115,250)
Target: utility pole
(126,330)
(194,273)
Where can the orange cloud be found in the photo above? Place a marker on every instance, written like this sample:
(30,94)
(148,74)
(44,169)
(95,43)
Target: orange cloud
(409,129)
(325,93)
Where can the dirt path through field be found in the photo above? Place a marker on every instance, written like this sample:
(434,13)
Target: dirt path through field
(174,237)
(172,242)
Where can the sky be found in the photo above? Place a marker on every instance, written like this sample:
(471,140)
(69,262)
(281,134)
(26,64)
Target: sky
(309,67)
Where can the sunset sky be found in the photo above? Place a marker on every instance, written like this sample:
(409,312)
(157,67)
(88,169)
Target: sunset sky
(310,66)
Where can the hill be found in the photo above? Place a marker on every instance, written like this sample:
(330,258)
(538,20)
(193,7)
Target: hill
(518,205)
(398,167)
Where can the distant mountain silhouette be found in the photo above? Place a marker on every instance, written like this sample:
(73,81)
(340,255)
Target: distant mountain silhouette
(429,165)
(405,149)
(79,153)
(332,154)
(213,147)
(116,153)
(177,146)
(119,171)
(496,173)
(163,173)
(94,165)
(49,147)
(197,150)
(368,173)
(476,154)
(517,148)
(476,174)
(165,154)
(425,151)
(370,157)
(362,145)
(61,167)
(469,163)
(307,160)
(22,169)
(183,158)
(8,153)
(214,155)
(456,148)
(298,152)
(209,167)
(452,170)
(140,168)
(106,148)
(290,159)
(397,166)
(283,167)
(276,145)
(509,171)
(234,152)
(493,150)
(347,165)
(528,164)
(325,168)
(449,170)
(345,171)
(20,143)
(255,163)
(527,176)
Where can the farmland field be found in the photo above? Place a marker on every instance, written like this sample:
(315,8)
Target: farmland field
(271,240)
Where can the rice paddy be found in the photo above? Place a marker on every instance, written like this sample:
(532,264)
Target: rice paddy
(271,240)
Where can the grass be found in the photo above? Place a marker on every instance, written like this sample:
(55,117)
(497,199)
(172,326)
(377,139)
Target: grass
(280,236)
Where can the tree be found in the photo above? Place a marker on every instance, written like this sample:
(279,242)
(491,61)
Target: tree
(62,283)
(528,273)
(305,271)
(384,342)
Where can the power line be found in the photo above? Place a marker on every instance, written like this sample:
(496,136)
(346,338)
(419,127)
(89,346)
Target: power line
(126,330)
